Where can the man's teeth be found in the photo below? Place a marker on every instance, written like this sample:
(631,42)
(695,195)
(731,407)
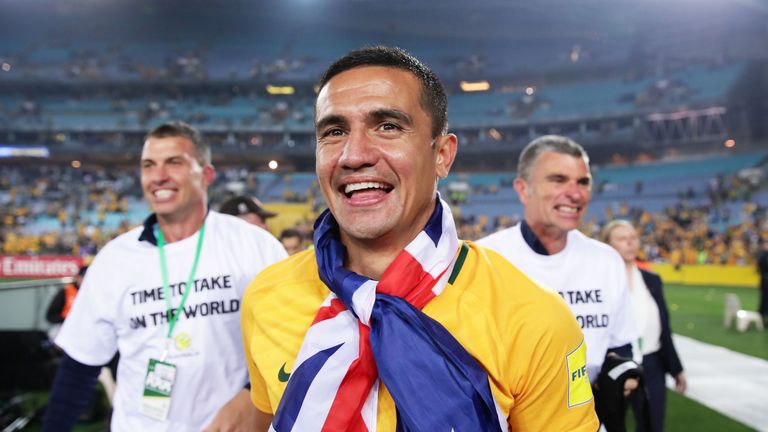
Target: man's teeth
(567,209)
(163,193)
(363,185)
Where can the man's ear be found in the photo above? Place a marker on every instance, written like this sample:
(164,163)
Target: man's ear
(446,146)
(522,189)
(209,174)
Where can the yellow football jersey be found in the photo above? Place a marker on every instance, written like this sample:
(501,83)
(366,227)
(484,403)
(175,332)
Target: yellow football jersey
(524,337)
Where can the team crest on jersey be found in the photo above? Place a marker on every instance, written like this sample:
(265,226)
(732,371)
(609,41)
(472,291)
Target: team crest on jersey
(182,341)
(579,389)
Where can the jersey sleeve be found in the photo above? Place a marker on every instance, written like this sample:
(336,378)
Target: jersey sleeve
(555,391)
(88,333)
(259,394)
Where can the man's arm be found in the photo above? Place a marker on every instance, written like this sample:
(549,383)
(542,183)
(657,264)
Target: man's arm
(263,421)
(71,393)
(622,351)
(239,414)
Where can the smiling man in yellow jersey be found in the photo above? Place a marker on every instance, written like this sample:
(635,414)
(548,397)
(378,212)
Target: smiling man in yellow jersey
(392,322)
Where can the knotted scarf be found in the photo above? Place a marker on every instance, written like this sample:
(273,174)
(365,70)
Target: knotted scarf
(369,330)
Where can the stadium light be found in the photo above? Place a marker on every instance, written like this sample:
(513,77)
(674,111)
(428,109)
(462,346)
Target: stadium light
(575,53)
(7,151)
(280,90)
(272,165)
(730,143)
(6,67)
(469,86)
(76,164)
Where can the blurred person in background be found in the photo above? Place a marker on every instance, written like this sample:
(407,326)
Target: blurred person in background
(762,268)
(249,209)
(61,303)
(659,356)
(292,241)
(175,323)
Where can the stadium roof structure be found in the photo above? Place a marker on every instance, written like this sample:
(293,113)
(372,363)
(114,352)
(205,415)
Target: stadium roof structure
(90,76)
(459,38)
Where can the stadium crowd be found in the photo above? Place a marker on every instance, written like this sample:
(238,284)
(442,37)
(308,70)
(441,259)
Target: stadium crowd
(683,233)
(82,199)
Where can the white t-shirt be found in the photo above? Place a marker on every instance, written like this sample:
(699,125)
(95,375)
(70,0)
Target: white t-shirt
(647,318)
(591,278)
(120,306)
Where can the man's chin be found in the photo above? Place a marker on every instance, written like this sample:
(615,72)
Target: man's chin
(163,211)
(367,231)
(569,225)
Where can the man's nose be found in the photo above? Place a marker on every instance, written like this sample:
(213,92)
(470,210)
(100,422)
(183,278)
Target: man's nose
(359,151)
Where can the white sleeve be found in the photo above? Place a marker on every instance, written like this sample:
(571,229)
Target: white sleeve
(276,250)
(263,251)
(88,333)
(623,330)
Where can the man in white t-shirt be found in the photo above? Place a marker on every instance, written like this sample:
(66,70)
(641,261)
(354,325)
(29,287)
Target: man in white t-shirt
(167,297)
(554,184)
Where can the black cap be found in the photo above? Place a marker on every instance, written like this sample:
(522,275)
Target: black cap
(241,205)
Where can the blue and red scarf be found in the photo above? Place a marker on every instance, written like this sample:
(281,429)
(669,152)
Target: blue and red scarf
(369,331)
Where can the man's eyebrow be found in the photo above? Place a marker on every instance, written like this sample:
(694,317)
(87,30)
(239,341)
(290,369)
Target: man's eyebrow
(167,159)
(556,176)
(332,119)
(385,113)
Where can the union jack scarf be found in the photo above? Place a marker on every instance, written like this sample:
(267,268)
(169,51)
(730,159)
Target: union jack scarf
(368,331)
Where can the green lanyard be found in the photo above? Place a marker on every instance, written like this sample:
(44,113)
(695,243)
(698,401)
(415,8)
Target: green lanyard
(172,318)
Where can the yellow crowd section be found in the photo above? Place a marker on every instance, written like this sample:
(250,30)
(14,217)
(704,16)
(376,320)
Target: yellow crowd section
(704,274)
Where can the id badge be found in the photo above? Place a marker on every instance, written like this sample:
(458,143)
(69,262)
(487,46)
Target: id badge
(156,401)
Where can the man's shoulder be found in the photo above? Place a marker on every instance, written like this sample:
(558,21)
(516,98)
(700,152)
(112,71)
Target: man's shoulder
(296,271)
(504,291)
(500,239)
(233,225)
(582,244)
(289,290)
(503,280)
(127,241)
(232,229)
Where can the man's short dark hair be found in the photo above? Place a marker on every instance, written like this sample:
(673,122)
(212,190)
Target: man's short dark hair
(181,129)
(433,98)
(548,143)
(289,233)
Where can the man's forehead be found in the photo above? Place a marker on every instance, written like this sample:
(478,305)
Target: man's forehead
(555,162)
(370,81)
(167,147)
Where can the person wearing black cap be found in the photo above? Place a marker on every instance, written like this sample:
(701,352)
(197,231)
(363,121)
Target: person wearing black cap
(248,209)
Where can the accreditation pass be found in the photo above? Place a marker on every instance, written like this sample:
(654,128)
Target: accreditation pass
(156,401)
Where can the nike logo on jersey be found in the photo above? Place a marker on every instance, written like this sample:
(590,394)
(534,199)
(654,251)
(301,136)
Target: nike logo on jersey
(282,375)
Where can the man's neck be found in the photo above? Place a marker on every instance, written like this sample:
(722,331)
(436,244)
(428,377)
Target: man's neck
(369,260)
(554,240)
(176,229)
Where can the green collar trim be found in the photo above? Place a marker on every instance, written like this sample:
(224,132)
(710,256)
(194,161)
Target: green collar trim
(459,262)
